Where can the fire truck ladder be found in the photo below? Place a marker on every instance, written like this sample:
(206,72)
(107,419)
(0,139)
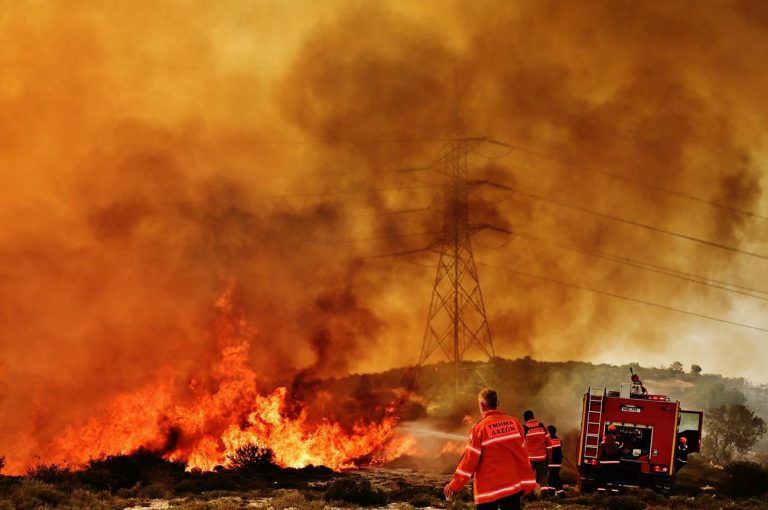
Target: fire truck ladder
(595,397)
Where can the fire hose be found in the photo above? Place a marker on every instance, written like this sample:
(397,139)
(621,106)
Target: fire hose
(457,437)
(578,476)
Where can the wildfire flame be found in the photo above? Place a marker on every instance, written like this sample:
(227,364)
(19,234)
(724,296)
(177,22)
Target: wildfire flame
(212,424)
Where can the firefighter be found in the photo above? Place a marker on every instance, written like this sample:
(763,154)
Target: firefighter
(555,462)
(637,390)
(496,456)
(609,455)
(681,452)
(537,443)
(628,439)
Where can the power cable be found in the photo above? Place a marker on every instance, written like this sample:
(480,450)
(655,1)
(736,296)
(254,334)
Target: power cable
(344,192)
(674,273)
(502,245)
(359,173)
(637,223)
(625,298)
(414,263)
(390,213)
(485,156)
(390,255)
(631,180)
(320,193)
(379,238)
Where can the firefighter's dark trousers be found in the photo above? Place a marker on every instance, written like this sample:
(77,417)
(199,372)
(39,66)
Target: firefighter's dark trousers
(508,503)
(541,470)
(610,473)
(555,484)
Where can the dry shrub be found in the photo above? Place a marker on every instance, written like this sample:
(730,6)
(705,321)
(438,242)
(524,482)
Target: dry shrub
(288,499)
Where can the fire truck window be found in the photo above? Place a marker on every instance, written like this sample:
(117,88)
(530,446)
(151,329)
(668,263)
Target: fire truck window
(688,421)
(689,427)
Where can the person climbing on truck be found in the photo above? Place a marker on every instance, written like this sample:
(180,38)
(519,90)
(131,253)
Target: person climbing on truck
(638,390)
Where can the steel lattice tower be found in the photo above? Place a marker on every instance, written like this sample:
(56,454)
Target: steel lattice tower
(457,320)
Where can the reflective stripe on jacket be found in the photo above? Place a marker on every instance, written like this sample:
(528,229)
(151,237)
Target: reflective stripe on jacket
(537,440)
(496,456)
(556,455)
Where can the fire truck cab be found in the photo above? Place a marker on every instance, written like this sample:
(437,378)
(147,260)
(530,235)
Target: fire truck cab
(647,427)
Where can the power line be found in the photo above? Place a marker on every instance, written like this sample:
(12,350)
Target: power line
(391,213)
(362,173)
(498,247)
(414,263)
(340,141)
(307,141)
(624,178)
(499,156)
(378,238)
(320,193)
(636,223)
(646,266)
(626,298)
(345,192)
(390,255)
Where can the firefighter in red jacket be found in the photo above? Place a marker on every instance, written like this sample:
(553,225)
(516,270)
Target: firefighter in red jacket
(555,462)
(496,456)
(609,454)
(538,443)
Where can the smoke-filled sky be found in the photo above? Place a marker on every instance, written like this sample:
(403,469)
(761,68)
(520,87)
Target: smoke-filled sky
(154,154)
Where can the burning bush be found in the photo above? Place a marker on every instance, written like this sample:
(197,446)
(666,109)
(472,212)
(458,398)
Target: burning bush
(251,458)
(49,473)
(125,471)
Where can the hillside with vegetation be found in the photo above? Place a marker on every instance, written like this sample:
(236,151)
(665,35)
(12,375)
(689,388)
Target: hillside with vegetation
(554,391)
(731,472)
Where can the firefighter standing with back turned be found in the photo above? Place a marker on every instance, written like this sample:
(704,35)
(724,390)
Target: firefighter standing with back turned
(609,454)
(555,462)
(537,443)
(496,456)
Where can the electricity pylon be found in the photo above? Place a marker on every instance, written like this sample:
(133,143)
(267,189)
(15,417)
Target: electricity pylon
(457,320)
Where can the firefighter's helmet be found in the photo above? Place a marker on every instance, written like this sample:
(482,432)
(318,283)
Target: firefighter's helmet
(611,428)
(683,439)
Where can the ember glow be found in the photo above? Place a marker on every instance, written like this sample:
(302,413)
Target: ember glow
(223,411)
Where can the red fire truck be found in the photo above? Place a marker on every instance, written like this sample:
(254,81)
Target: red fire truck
(647,427)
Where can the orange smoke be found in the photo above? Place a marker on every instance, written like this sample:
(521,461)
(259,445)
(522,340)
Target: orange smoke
(147,155)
